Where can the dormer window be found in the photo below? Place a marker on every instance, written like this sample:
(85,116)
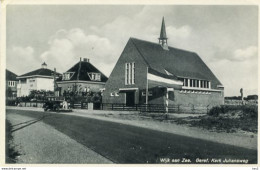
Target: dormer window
(94,76)
(67,75)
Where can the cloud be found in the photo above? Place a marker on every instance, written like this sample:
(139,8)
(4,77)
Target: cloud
(18,55)
(67,46)
(180,33)
(245,54)
(236,75)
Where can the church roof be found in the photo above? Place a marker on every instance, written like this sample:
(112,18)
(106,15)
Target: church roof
(81,70)
(10,75)
(39,72)
(180,63)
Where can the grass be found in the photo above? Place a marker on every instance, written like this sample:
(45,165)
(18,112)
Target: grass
(226,118)
(10,152)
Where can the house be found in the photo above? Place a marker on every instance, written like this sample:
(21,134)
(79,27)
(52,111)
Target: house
(11,84)
(40,79)
(155,73)
(83,77)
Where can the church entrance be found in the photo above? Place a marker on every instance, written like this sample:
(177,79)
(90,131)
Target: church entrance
(130,98)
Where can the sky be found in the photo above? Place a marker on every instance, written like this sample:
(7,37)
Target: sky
(225,37)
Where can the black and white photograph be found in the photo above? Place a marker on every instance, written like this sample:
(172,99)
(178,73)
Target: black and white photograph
(130,84)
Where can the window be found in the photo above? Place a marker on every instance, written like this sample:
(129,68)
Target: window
(196,83)
(129,73)
(94,76)
(11,83)
(133,73)
(186,82)
(67,75)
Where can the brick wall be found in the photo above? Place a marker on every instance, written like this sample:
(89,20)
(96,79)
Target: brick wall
(93,87)
(213,99)
(117,76)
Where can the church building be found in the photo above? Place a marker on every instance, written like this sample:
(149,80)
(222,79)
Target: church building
(155,73)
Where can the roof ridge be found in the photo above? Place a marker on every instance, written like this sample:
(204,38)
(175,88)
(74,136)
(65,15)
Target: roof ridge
(38,72)
(133,38)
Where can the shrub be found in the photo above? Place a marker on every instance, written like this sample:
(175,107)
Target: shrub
(249,111)
(215,111)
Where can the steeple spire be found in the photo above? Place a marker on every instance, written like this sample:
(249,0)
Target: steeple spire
(163,38)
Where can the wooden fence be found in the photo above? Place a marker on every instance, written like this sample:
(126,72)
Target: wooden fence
(143,108)
(155,108)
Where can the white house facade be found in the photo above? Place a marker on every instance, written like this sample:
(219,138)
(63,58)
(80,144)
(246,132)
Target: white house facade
(40,79)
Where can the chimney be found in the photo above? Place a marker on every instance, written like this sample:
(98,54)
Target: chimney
(44,65)
(86,60)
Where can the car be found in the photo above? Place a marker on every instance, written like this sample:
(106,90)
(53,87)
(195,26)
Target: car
(52,105)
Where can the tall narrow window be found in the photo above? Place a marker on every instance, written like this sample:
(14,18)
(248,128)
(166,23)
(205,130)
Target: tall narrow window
(126,73)
(133,73)
(129,73)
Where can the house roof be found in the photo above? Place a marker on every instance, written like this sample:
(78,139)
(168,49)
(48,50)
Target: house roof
(180,63)
(10,75)
(81,70)
(40,72)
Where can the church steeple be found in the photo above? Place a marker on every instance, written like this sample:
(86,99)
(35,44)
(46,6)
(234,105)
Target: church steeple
(163,38)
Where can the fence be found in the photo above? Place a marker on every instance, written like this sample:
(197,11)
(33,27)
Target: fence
(31,104)
(83,105)
(41,103)
(150,108)
(155,108)
(240,102)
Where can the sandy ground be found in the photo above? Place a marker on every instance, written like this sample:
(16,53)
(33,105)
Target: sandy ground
(41,143)
(241,139)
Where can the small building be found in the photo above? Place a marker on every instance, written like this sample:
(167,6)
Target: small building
(83,77)
(155,73)
(40,79)
(11,85)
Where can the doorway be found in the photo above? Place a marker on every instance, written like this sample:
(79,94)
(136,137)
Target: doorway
(130,98)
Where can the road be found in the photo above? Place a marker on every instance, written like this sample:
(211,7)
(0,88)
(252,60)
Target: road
(122,143)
